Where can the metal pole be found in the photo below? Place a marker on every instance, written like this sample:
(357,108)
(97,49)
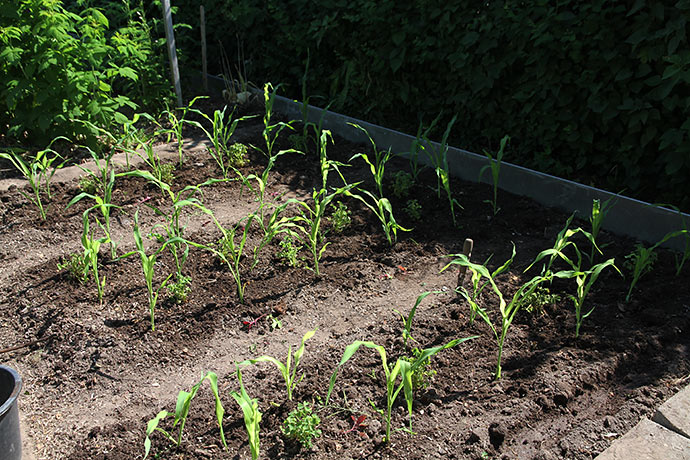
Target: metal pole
(172,52)
(204,67)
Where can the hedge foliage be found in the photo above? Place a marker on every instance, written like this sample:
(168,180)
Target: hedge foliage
(62,62)
(594,91)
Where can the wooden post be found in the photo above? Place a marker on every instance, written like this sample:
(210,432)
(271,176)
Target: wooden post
(204,68)
(172,51)
(467,250)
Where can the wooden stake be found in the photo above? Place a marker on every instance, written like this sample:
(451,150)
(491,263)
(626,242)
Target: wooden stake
(172,51)
(467,250)
(204,67)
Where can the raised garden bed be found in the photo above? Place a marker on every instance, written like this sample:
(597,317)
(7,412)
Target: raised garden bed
(95,373)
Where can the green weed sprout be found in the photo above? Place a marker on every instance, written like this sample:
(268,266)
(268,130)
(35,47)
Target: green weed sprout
(287,369)
(288,252)
(91,247)
(148,265)
(508,310)
(403,368)
(340,219)
(77,267)
(38,171)
(402,183)
(184,400)
(301,425)
(495,167)
(413,209)
(252,415)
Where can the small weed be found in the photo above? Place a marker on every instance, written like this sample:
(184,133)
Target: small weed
(179,290)
(301,425)
(166,173)
(89,184)
(414,210)
(340,219)
(402,183)
(276,323)
(357,425)
(237,155)
(537,300)
(288,252)
(77,267)
(422,376)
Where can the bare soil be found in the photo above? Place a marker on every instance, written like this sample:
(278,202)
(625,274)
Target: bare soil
(94,372)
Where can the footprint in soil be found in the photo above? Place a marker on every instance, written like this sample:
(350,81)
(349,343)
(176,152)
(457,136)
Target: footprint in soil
(496,435)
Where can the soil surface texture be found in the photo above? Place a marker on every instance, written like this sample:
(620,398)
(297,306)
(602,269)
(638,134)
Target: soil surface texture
(95,373)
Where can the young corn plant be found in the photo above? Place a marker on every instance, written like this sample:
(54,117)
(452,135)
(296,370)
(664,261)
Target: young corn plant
(148,265)
(439,160)
(288,369)
(420,145)
(382,209)
(104,180)
(495,167)
(38,171)
(641,260)
(252,415)
(584,279)
(219,135)
(377,164)
(403,368)
(229,250)
(271,130)
(184,400)
(92,246)
(407,320)
(507,310)
(176,119)
(599,212)
(308,222)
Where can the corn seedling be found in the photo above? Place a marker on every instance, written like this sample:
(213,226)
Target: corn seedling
(287,369)
(682,257)
(176,119)
(377,164)
(271,131)
(38,171)
(439,161)
(508,310)
(184,400)
(91,247)
(302,425)
(308,222)
(596,218)
(382,209)
(219,135)
(148,265)
(407,320)
(252,415)
(495,167)
(402,368)
(419,145)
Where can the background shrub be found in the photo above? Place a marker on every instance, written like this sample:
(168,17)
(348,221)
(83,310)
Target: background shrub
(593,91)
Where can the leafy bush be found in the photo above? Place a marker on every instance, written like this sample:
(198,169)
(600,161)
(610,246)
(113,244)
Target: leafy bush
(58,66)
(595,90)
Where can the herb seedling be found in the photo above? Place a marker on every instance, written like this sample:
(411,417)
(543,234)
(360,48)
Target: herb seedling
(179,290)
(302,425)
(287,369)
(495,167)
(414,210)
(252,415)
(184,400)
(402,183)
(508,310)
(77,267)
(340,219)
(288,252)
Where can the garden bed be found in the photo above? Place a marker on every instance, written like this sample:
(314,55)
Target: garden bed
(95,372)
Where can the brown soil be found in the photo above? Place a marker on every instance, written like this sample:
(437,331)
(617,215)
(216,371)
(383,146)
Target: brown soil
(95,373)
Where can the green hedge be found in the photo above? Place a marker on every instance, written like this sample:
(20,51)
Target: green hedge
(594,91)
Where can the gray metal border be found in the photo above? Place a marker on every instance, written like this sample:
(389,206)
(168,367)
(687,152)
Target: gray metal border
(628,216)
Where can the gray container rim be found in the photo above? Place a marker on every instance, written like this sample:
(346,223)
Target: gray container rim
(15,391)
